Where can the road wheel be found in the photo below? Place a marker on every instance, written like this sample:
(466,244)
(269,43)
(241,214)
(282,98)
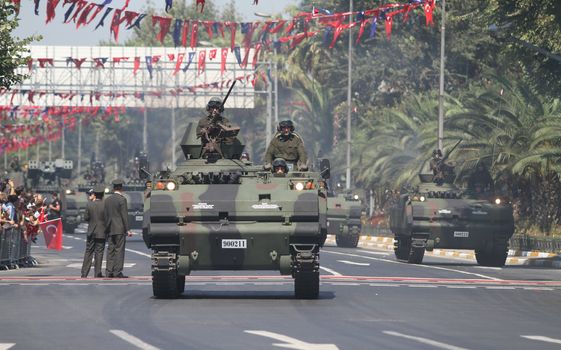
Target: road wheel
(402,247)
(354,237)
(416,255)
(180,284)
(340,240)
(165,285)
(306,285)
(494,256)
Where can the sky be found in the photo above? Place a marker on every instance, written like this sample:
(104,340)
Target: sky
(58,33)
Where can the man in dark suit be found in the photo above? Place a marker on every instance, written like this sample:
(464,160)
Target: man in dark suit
(116,220)
(95,244)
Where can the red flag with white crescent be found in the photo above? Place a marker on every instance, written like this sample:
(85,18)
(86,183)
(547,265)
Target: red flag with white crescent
(52,230)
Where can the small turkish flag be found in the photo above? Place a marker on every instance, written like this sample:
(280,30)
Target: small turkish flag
(52,230)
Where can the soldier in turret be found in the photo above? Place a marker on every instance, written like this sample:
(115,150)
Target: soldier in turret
(288,145)
(209,127)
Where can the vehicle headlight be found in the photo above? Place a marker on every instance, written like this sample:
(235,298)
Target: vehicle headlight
(170,186)
(299,186)
(497,201)
(422,198)
(355,197)
(106,190)
(68,191)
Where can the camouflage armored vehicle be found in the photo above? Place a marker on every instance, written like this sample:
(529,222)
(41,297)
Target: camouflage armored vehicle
(217,212)
(343,219)
(438,214)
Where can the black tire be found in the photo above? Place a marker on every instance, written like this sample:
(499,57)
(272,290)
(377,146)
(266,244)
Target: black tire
(495,256)
(354,237)
(165,285)
(416,255)
(306,285)
(340,240)
(181,284)
(402,247)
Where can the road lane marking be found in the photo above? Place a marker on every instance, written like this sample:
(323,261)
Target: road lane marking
(103,265)
(374,252)
(333,272)
(137,252)
(353,263)
(427,341)
(6,346)
(542,338)
(133,340)
(418,265)
(292,343)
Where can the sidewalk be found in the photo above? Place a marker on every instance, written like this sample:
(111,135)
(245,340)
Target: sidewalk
(524,258)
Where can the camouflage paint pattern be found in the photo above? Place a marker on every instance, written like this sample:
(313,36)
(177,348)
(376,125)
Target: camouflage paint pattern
(343,219)
(449,218)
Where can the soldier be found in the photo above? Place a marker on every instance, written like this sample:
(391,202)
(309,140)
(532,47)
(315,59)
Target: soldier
(54,207)
(208,129)
(480,180)
(288,145)
(95,243)
(116,221)
(280,167)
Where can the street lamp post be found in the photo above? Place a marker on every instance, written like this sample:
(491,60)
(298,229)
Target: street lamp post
(271,84)
(441,93)
(349,88)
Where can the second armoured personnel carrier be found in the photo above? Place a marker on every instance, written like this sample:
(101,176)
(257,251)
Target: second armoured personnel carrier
(217,212)
(344,219)
(438,214)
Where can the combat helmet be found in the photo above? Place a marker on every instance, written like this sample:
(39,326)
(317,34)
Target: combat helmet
(286,124)
(279,162)
(215,102)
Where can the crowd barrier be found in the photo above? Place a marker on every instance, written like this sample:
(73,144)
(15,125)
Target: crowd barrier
(15,252)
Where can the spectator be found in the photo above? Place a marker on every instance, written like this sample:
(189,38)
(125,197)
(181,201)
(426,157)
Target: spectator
(54,207)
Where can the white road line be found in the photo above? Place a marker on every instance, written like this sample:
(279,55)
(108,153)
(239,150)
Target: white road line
(6,346)
(427,341)
(537,288)
(500,287)
(374,253)
(542,338)
(461,287)
(133,340)
(292,343)
(353,263)
(414,265)
(137,252)
(333,272)
(421,286)
(103,265)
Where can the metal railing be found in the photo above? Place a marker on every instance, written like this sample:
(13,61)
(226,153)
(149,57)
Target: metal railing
(15,251)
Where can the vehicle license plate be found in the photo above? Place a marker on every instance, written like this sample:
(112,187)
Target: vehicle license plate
(234,243)
(461,234)
(138,218)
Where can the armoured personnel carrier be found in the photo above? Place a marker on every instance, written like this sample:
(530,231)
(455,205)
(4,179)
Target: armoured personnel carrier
(439,214)
(217,212)
(343,219)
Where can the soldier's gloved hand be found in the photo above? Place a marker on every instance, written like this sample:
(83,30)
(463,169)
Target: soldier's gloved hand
(302,167)
(267,166)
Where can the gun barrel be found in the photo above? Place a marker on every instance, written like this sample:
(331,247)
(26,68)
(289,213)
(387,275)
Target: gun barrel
(228,94)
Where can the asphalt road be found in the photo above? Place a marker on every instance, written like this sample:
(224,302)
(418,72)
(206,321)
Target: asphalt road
(368,300)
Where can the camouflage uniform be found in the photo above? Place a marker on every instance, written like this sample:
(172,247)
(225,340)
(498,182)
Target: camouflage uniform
(207,123)
(290,148)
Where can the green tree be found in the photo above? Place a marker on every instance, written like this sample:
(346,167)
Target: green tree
(13,51)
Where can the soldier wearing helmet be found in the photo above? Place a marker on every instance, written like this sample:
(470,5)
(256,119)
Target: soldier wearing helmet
(288,145)
(280,167)
(208,127)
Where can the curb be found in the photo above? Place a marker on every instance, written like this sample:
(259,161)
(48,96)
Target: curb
(515,257)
